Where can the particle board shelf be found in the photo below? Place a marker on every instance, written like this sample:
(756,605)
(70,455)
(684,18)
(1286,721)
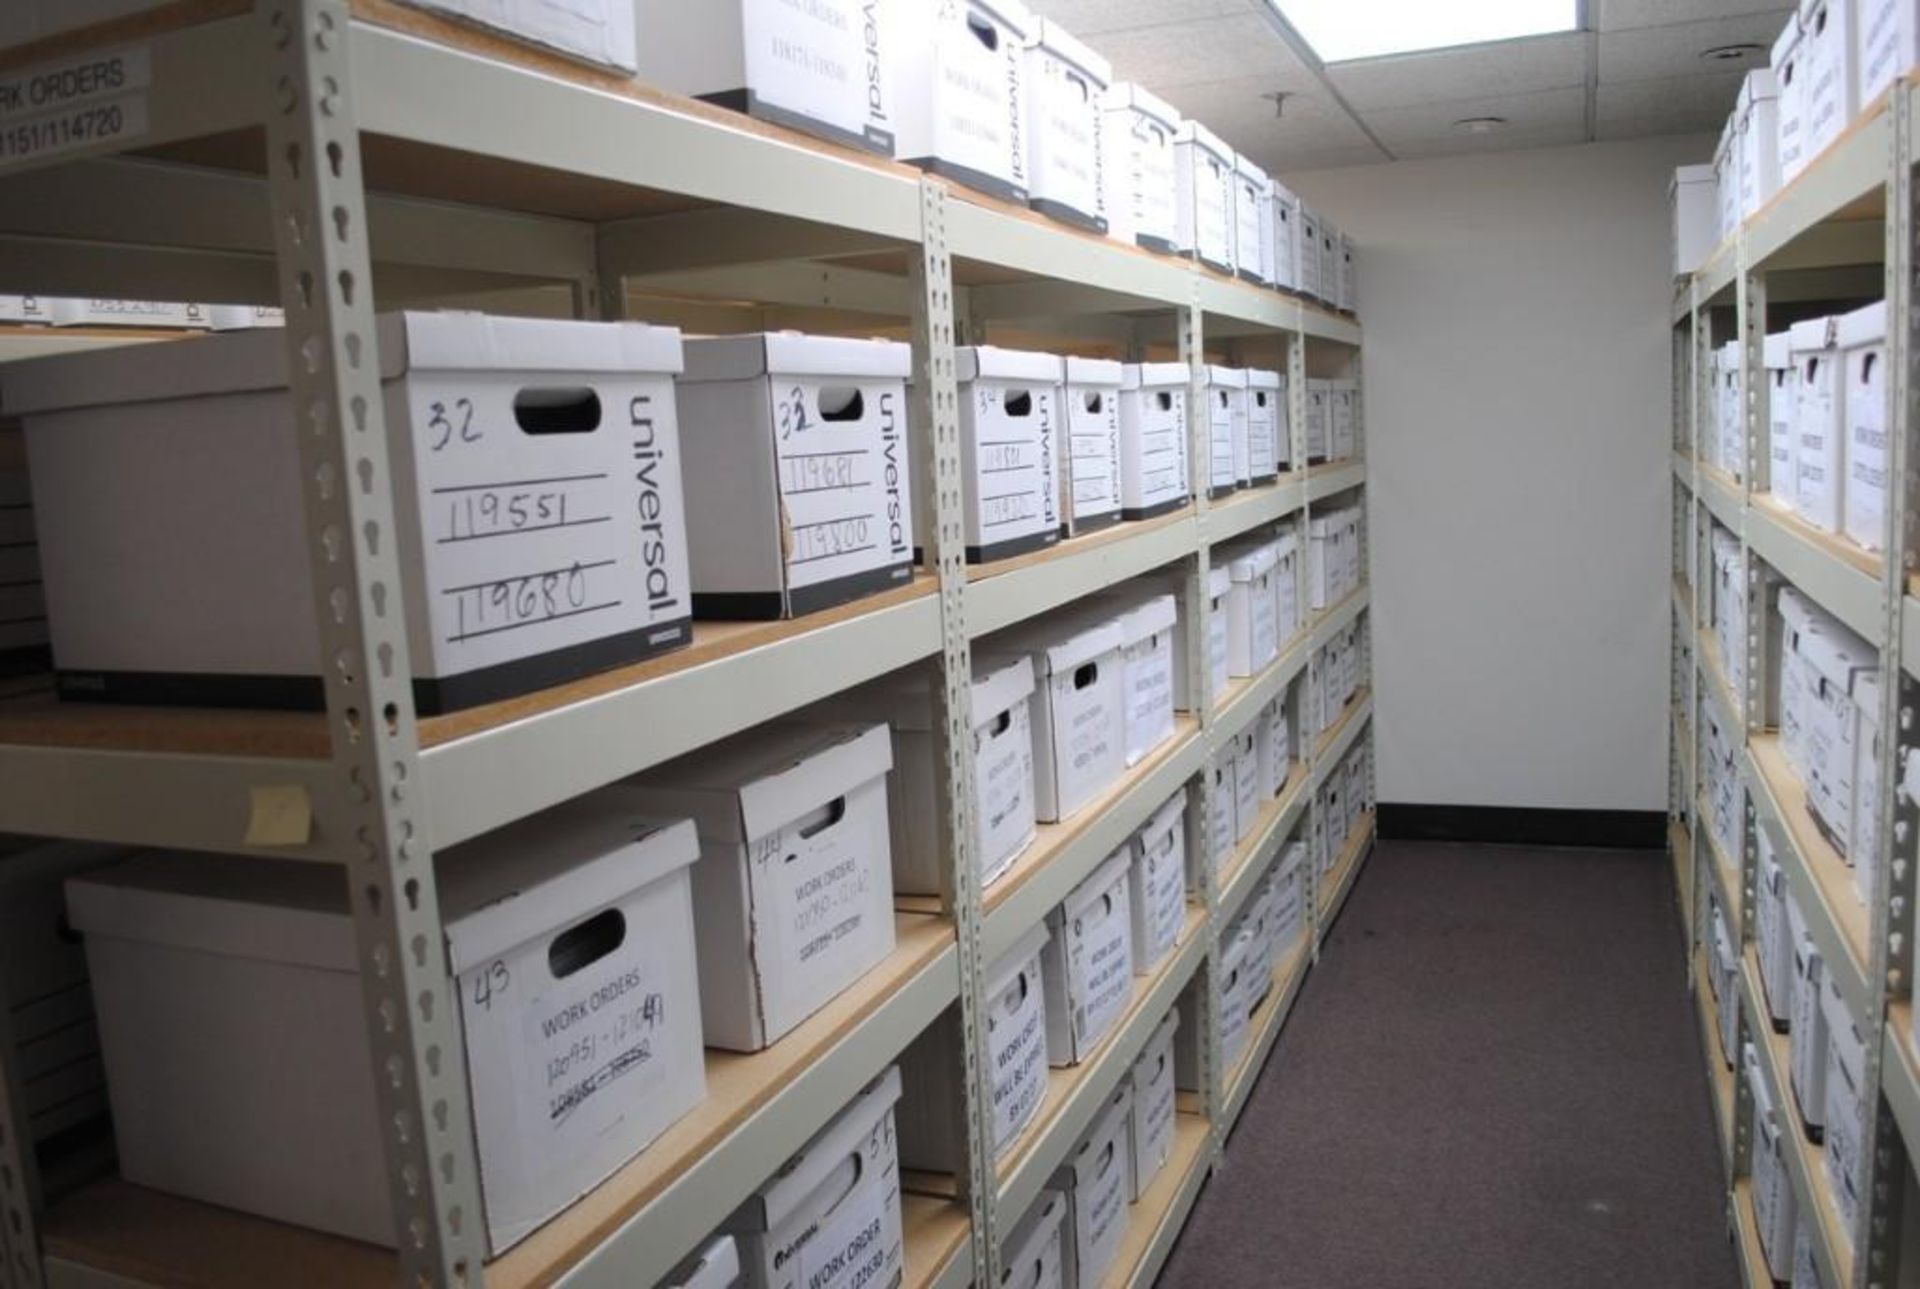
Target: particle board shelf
(1249,508)
(1323,625)
(1842,578)
(1063,854)
(1334,477)
(1821,880)
(1270,832)
(1246,697)
(1155,1220)
(1289,971)
(1719,1077)
(1341,876)
(1832,1252)
(1008,591)
(1900,1073)
(759,1109)
(1707,650)
(1726,872)
(1334,741)
(1076,1093)
(1745,1232)
(1680,849)
(1724,497)
(935,1232)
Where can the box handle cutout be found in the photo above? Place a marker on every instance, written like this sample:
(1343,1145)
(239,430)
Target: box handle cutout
(852,1169)
(1866,367)
(812,825)
(1094,401)
(1017,402)
(1016,992)
(583,945)
(1165,399)
(1085,674)
(1000,724)
(1106,1161)
(983,31)
(1079,82)
(557,410)
(1259,398)
(842,403)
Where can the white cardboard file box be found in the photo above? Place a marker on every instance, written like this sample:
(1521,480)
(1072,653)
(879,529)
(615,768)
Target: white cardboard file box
(1246,783)
(1845,1143)
(1276,746)
(1286,585)
(1137,167)
(594,31)
(65,311)
(1158,890)
(1078,709)
(244,317)
(1861,337)
(1726,977)
(1319,420)
(1228,462)
(1328,536)
(1775,1209)
(1757,110)
(1343,398)
(714,1265)
(1251,192)
(1016,1057)
(1783,386)
(1289,878)
(1832,87)
(1035,1256)
(26,308)
(830,1218)
(960,96)
(1153,439)
(1095,1181)
(1807,1063)
(1150,1126)
(1726,177)
(1307,270)
(1284,234)
(1203,192)
(1234,1003)
(1349,277)
(1065,83)
(1149,629)
(229,1000)
(824,68)
(167,582)
(1090,447)
(1842,718)
(1693,199)
(1174,583)
(1269,446)
(1002,767)
(1732,420)
(1329,263)
(1798,680)
(1252,630)
(795,460)
(1772,941)
(1009,415)
(1817,454)
(1219,650)
(1087,965)
(1886,44)
(1789,66)
(794,884)
(1222,827)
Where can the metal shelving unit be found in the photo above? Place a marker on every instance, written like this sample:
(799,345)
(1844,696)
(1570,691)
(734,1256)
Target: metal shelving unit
(283,152)
(1853,205)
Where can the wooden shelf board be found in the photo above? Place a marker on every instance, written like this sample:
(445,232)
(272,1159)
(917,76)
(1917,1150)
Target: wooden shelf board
(1726,873)
(1333,731)
(935,1231)
(1709,650)
(1833,544)
(1270,812)
(1191,1142)
(1078,545)
(1830,872)
(1719,1076)
(1339,876)
(1286,968)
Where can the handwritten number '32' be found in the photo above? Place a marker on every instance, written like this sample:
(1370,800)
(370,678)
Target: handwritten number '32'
(445,427)
(793,414)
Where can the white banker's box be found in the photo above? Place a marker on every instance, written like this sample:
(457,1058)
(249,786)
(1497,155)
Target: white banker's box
(714,1265)
(1307,269)
(1002,766)
(1832,88)
(1065,82)
(1035,1256)
(1283,235)
(961,103)
(1319,419)
(1692,196)
(1251,192)
(1150,1128)
(1228,462)
(1783,392)
(1203,195)
(830,1218)
(1757,110)
(1861,337)
(1276,746)
(1087,962)
(1269,448)
(1149,627)
(1246,782)
(1095,1181)
(1807,1065)
(1153,438)
(1817,455)
(1137,168)
(795,458)
(1222,827)
(1009,415)
(229,999)
(555,442)
(1078,709)
(1772,941)
(64,311)
(824,67)
(1286,585)
(1253,638)
(1847,1106)
(793,885)
(1886,43)
(1016,1059)
(1775,1208)
(1157,894)
(1090,447)
(596,31)
(1789,75)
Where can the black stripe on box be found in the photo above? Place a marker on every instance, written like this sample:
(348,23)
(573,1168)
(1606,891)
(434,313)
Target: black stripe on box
(978,180)
(1158,245)
(1524,826)
(1013,546)
(1091,524)
(1154,511)
(759,606)
(1068,214)
(751,104)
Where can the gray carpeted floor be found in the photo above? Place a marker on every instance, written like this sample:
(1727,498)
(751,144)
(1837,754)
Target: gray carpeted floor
(1492,1079)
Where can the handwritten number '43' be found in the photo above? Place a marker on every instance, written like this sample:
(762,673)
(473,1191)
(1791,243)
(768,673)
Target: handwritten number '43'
(793,414)
(444,425)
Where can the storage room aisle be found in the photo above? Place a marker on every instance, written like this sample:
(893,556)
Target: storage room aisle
(1494,1079)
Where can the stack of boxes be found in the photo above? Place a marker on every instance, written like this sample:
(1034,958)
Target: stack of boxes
(1830,730)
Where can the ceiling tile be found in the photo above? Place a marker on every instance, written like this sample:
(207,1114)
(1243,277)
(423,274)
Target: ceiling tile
(1211,49)
(1557,110)
(1455,143)
(1510,67)
(1616,14)
(1647,53)
(1680,105)
(1330,159)
(1234,111)
(1092,17)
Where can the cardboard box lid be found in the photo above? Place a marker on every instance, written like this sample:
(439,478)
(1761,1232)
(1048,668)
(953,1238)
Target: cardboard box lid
(1013,15)
(1245,168)
(1192,132)
(1810,336)
(756,783)
(990,362)
(1778,351)
(1797,609)
(905,699)
(1690,176)
(816,1161)
(1170,815)
(790,353)
(531,878)
(999,684)
(1286,545)
(1249,564)
(1262,378)
(1219,581)
(1862,327)
(1094,887)
(1141,618)
(1009,964)
(1050,36)
(1036,1226)
(1153,375)
(1808,11)
(250,361)
(1763,1116)
(1229,377)
(1786,44)
(1758,86)
(270,910)
(715,1265)
(1836,653)
(1280,192)
(1058,646)
(1093,371)
(1130,97)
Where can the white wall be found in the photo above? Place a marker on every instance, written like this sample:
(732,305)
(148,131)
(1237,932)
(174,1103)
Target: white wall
(1517,405)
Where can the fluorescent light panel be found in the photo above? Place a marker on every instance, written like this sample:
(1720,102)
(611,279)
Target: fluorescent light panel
(1340,30)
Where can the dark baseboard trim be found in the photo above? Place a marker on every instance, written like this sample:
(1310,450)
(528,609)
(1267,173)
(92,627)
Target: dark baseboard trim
(1525,826)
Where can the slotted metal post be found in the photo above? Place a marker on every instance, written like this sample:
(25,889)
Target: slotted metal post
(333,368)
(936,409)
